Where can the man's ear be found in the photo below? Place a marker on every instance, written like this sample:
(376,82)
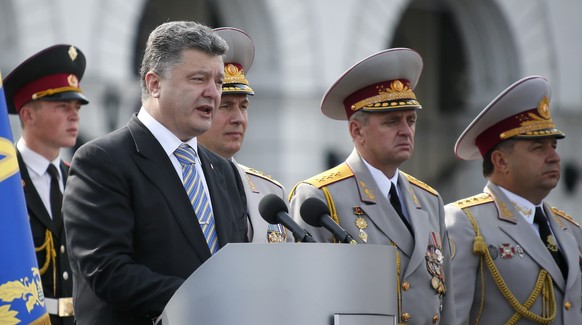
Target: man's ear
(355,128)
(25,114)
(152,81)
(499,160)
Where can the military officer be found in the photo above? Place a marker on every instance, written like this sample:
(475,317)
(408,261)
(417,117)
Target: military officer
(517,259)
(229,124)
(44,91)
(370,197)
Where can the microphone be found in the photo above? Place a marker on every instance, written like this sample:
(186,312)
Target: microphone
(274,210)
(316,213)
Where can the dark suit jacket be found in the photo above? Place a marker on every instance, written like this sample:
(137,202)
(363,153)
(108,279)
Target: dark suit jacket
(40,221)
(132,232)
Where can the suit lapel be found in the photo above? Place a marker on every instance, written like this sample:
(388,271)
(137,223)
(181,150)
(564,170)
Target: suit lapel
(154,163)
(256,224)
(378,208)
(36,208)
(58,222)
(420,225)
(515,226)
(567,243)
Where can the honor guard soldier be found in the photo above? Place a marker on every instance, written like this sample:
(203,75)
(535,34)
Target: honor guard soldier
(516,259)
(370,197)
(44,91)
(229,124)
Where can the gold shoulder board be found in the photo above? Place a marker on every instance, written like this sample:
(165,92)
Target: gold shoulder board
(564,215)
(473,200)
(330,176)
(420,184)
(260,174)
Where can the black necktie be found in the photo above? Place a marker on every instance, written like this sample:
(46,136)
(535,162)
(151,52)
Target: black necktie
(395,201)
(550,241)
(56,197)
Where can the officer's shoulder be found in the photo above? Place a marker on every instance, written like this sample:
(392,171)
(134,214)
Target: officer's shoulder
(330,176)
(564,215)
(474,200)
(259,174)
(413,180)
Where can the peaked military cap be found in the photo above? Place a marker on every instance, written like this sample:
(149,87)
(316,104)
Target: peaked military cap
(51,74)
(384,81)
(522,111)
(237,60)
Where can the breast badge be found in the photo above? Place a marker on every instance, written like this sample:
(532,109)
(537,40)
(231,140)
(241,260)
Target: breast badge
(519,251)
(361,223)
(493,252)
(506,250)
(276,234)
(434,263)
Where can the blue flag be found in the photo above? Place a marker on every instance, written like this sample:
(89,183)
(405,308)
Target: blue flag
(21,296)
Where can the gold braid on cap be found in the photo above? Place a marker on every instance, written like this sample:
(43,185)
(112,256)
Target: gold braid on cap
(234,75)
(532,123)
(396,91)
(73,82)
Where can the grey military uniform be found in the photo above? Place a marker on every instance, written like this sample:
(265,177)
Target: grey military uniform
(257,185)
(518,254)
(357,205)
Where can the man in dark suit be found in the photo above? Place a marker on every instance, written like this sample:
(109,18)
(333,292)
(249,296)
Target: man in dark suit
(134,230)
(44,92)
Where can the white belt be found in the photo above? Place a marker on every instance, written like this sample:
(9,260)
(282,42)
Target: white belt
(62,307)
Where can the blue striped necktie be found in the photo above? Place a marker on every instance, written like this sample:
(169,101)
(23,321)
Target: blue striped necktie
(197,194)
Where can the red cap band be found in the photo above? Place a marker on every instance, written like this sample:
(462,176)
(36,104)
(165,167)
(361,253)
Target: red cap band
(46,86)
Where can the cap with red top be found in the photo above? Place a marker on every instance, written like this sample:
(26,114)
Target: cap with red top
(522,111)
(237,60)
(51,74)
(382,82)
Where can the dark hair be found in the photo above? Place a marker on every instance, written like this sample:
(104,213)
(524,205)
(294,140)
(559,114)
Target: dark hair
(487,163)
(166,43)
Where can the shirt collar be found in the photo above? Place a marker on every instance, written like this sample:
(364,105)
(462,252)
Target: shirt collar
(34,161)
(168,140)
(383,182)
(523,206)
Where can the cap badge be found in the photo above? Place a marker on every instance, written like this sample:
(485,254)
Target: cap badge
(234,74)
(532,121)
(396,90)
(72,53)
(544,108)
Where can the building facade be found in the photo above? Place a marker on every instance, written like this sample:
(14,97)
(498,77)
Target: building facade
(472,50)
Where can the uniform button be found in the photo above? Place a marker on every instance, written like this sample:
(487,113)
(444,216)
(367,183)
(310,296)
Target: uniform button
(62,249)
(405,286)
(405,317)
(435,319)
(567,305)
(65,275)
